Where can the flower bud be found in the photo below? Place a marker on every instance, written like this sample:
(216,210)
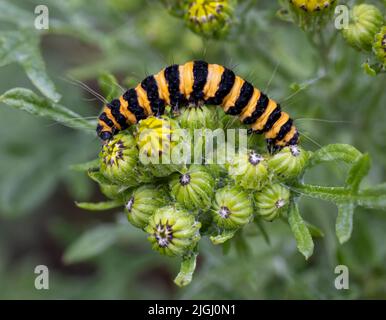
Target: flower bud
(209,18)
(311,15)
(156,137)
(365,21)
(198,117)
(232,208)
(289,162)
(173,231)
(272,201)
(379,46)
(118,160)
(249,170)
(142,203)
(312,5)
(193,187)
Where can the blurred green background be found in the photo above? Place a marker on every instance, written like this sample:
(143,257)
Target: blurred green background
(133,38)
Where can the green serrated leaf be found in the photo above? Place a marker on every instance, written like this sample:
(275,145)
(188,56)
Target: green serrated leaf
(23,47)
(188,265)
(91,243)
(344,221)
(358,171)
(109,86)
(86,166)
(27,100)
(99,206)
(335,152)
(299,228)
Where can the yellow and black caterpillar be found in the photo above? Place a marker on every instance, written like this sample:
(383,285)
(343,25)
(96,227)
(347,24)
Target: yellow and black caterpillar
(199,82)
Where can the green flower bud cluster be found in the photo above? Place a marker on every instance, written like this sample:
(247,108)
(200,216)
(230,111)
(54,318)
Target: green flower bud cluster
(263,173)
(178,204)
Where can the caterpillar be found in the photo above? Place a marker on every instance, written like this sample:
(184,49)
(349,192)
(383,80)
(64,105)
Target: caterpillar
(198,82)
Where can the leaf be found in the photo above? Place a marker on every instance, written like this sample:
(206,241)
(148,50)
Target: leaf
(223,236)
(226,247)
(91,243)
(263,231)
(315,231)
(370,70)
(26,100)
(188,265)
(86,166)
(23,47)
(358,171)
(344,221)
(373,197)
(334,152)
(334,194)
(109,86)
(99,206)
(98,177)
(241,245)
(24,187)
(299,228)
(377,190)
(13,14)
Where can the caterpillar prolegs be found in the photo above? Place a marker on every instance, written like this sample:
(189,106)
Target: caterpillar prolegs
(198,82)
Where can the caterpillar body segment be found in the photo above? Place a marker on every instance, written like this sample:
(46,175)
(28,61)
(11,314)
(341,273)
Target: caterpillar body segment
(199,82)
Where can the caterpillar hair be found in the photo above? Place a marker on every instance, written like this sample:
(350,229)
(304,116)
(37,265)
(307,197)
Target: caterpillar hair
(197,82)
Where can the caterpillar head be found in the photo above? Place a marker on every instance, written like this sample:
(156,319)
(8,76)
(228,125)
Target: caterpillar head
(105,128)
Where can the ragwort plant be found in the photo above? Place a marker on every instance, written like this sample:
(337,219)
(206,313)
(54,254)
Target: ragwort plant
(177,205)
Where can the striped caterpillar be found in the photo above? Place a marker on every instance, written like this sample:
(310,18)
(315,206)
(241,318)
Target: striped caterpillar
(198,82)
